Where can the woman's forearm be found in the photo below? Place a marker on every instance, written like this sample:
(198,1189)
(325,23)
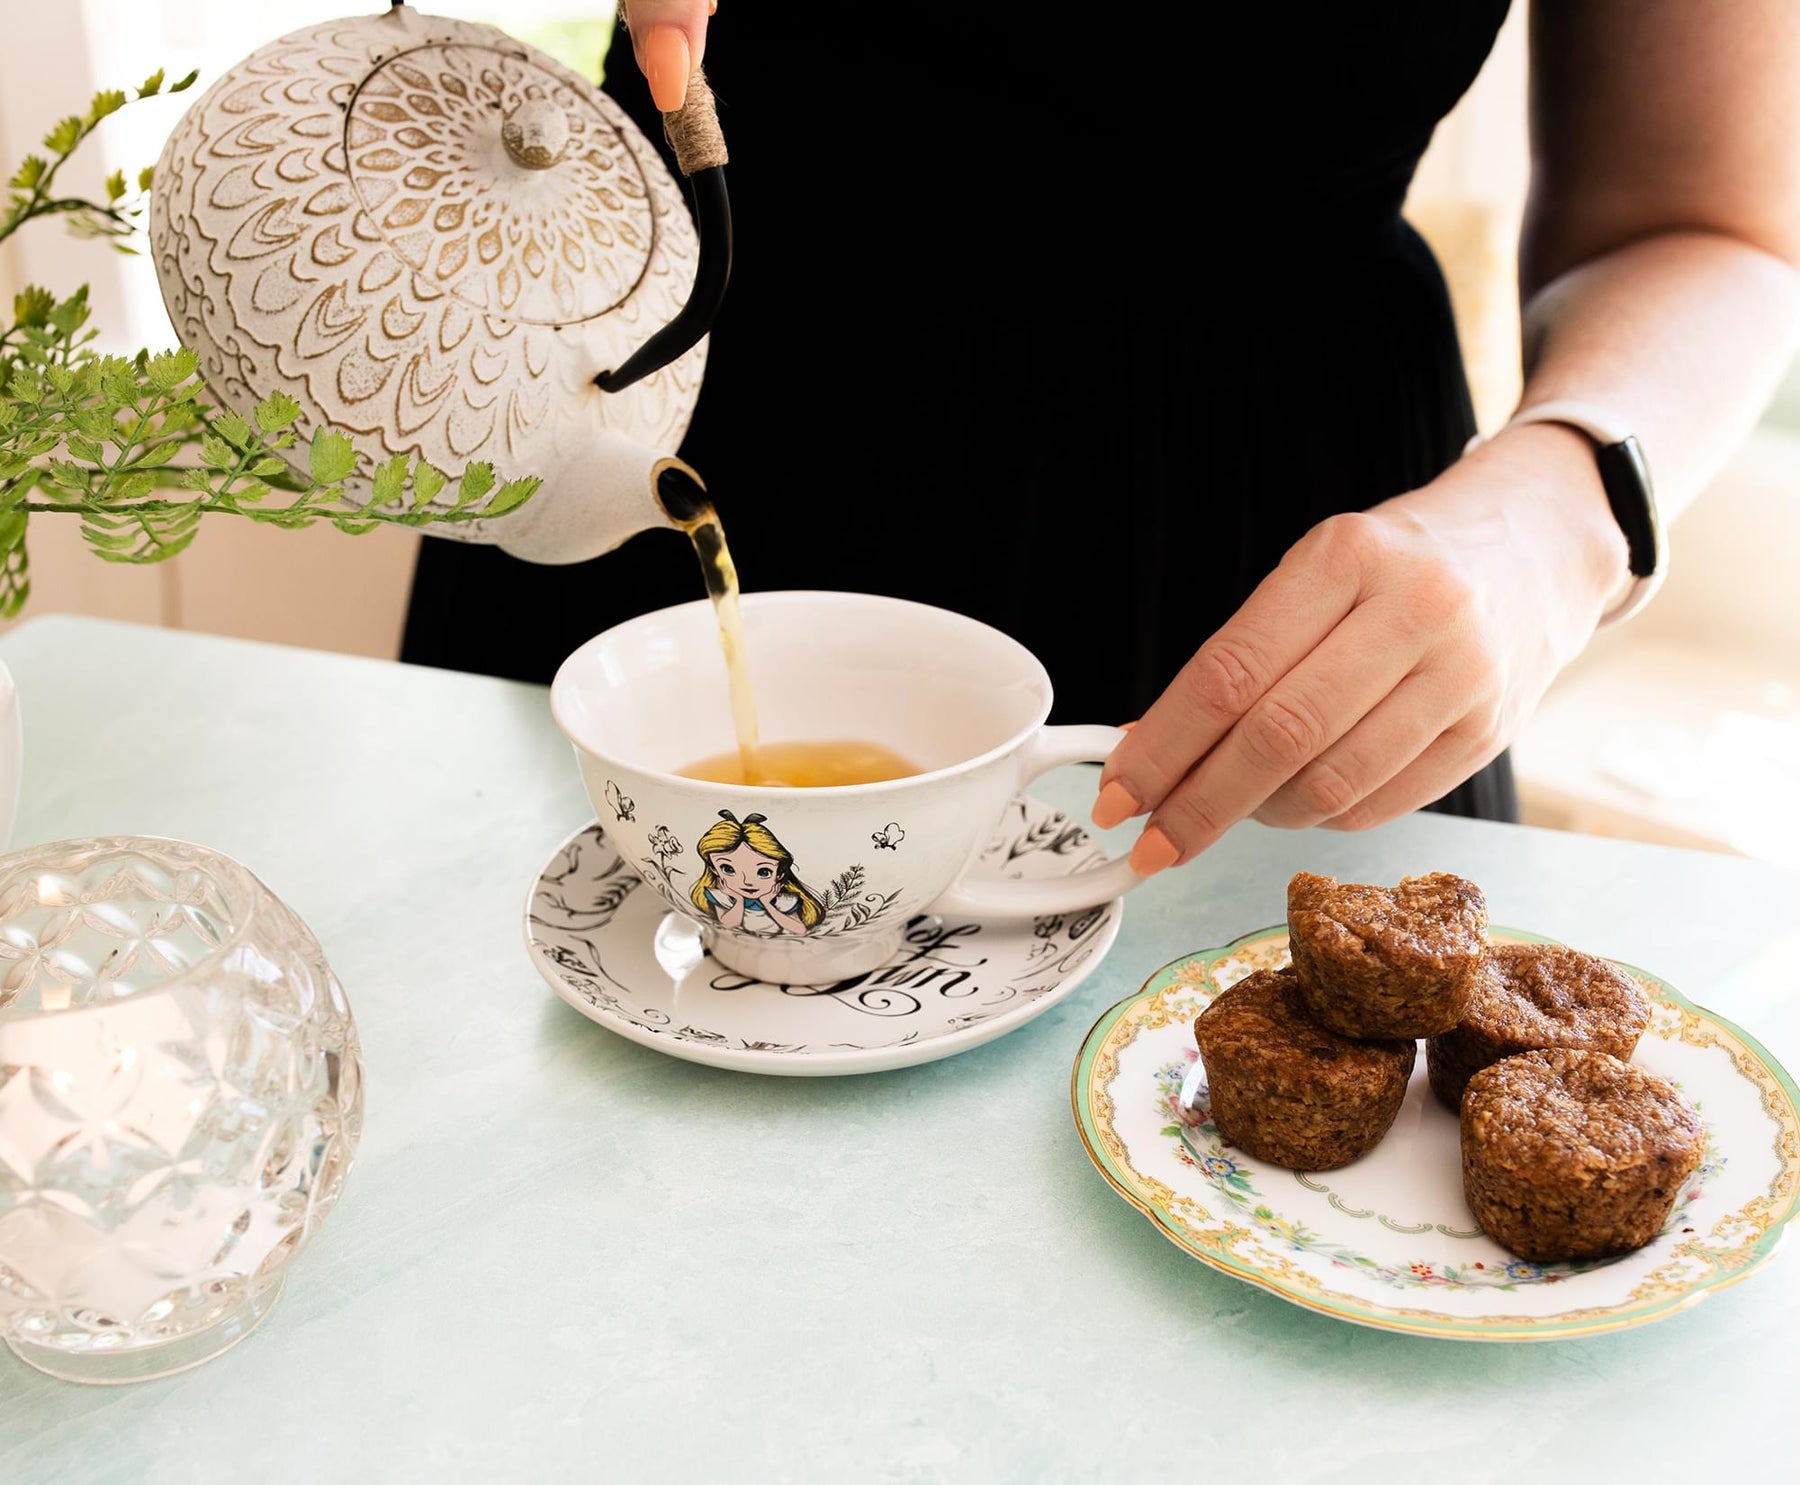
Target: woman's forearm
(1682,334)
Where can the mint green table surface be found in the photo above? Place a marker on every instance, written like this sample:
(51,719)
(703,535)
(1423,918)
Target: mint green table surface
(564,1256)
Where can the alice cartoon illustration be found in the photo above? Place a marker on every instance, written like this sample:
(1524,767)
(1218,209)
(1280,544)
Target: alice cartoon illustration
(748,883)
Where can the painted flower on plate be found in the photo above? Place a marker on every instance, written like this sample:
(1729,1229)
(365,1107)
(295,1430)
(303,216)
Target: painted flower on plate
(1287,1231)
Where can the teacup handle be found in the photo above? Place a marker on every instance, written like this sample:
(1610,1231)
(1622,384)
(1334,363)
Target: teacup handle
(1051,748)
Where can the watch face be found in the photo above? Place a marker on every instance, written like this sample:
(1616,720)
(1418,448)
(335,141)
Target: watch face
(1626,478)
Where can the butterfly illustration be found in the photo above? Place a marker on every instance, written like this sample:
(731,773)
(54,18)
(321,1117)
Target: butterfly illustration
(618,803)
(888,838)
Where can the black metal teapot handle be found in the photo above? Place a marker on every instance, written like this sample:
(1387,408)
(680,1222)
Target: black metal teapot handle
(693,133)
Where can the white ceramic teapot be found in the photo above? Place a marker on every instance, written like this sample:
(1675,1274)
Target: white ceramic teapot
(447,245)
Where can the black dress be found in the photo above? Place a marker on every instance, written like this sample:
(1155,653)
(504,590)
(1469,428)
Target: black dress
(1077,349)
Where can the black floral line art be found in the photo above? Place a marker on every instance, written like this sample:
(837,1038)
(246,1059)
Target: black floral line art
(599,898)
(847,906)
(664,848)
(1063,951)
(622,808)
(1089,920)
(589,978)
(1056,835)
(888,838)
(568,861)
(846,885)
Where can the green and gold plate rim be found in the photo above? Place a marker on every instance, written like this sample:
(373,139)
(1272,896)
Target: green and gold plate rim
(1780,1099)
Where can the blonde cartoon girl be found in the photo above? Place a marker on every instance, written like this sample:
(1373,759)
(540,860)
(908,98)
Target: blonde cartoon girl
(748,882)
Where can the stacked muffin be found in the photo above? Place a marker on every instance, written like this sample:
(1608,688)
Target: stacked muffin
(1533,998)
(1288,1090)
(1308,1066)
(1568,1150)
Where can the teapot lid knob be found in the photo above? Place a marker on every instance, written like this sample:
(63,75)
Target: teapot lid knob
(535,133)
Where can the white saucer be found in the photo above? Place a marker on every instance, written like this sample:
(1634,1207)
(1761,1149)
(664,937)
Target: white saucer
(621,958)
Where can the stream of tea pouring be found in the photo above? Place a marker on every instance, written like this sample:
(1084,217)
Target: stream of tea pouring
(796,763)
(690,508)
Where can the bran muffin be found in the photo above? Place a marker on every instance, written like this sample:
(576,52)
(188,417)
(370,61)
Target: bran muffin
(1532,997)
(1572,1154)
(1386,962)
(1285,1089)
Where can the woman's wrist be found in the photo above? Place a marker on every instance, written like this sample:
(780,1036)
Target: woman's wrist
(1551,469)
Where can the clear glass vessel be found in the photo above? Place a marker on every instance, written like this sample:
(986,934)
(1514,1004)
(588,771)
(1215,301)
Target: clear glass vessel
(180,1102)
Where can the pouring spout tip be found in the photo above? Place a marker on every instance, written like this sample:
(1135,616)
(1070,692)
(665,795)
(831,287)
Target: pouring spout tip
(681,494)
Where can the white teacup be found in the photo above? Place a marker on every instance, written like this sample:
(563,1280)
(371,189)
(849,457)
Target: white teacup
(845,867)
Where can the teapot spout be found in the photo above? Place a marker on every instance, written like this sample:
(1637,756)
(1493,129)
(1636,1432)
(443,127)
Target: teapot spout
(680,494)
(597,499)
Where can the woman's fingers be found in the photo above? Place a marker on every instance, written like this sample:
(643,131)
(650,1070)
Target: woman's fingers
(1340,682)
(668,62)
(1284,620)
(668,40)
(1456,756)
(1375,750)
(1389,657)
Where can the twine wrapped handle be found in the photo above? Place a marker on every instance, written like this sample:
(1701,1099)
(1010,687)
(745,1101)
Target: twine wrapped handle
(694,135)
(693,129)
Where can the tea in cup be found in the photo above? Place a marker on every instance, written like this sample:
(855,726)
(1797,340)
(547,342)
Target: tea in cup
(810,872)
(805,765)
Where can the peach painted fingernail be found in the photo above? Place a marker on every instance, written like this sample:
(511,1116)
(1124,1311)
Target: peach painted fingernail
(1115,805)
(1153,852)
(667,66)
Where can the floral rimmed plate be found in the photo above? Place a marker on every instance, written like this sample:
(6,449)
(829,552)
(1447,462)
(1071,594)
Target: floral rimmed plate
(614,951)
(1389,1241)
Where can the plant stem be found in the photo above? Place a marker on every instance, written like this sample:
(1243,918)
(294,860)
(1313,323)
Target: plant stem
(69,204)
(142,508)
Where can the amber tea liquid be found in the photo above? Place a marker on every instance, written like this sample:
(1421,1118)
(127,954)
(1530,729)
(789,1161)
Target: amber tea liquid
(806,765)
(797,765)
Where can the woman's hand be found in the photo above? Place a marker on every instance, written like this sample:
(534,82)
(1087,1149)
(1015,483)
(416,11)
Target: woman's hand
(668,39)
(1389,656)
(787,921)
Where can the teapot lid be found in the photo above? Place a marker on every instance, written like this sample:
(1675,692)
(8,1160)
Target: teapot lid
(502,183)
(429,234)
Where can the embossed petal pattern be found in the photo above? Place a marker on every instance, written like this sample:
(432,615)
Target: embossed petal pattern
(340,218)
(548,246)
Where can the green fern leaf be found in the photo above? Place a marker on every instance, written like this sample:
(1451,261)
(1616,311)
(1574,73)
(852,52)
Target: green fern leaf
(510,496)
(477,480)
(276,411)
(332,457)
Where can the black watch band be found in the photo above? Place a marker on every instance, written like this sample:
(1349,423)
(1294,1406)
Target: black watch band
(1625,476)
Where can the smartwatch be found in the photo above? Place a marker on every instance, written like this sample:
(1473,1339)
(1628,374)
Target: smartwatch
(1625,476)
